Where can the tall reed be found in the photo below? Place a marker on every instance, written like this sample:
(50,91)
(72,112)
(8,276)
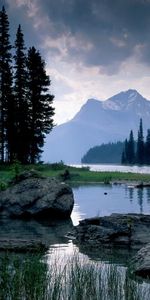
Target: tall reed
(32,277)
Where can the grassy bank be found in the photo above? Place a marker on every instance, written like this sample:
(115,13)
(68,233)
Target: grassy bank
(30,278)
(71,174)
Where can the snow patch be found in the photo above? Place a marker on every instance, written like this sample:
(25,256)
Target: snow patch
(111,105)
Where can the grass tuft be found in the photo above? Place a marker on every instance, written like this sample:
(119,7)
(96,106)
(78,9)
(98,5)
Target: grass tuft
(32,278)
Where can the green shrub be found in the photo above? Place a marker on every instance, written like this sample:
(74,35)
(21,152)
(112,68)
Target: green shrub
(16,168)
(66,175)
(107,179)
(57,166)
(3,186)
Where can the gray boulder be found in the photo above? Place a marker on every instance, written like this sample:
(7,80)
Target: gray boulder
(140,265)
(130,230)
(38,197)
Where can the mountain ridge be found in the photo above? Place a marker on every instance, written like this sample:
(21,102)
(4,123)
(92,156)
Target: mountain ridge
(97,122)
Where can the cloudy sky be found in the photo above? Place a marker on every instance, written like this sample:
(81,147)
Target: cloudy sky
(93,48)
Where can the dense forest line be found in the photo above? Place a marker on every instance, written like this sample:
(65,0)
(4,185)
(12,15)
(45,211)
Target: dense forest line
(130,151)
(105,153)
(137,152)
(26,111)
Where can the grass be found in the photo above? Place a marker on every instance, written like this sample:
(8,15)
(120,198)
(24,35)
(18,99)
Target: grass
(71,174)
(31,278)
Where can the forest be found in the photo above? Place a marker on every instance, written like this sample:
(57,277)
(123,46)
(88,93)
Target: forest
(105,153)
(26,110)
(131,151)
(137,152)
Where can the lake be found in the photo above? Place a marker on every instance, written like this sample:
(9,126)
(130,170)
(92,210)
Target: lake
(90,200)
(118,168)
(99,200)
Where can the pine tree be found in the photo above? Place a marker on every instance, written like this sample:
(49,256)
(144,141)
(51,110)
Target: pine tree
(131,151)
(40,103)
(20,91)
(123,158)
(126,152)
(6,98)
(147,148)
(140,145)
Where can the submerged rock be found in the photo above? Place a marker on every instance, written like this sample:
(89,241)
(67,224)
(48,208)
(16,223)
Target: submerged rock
(38,197)
(130,230)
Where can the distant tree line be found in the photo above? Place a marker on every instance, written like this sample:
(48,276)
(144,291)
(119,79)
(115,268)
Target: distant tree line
(26,112)
(137,152)
(105,153)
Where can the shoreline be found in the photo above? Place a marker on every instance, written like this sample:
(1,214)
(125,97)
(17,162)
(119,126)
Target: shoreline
(75,175)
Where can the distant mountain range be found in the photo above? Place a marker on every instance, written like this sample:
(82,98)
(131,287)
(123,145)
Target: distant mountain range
(97,122)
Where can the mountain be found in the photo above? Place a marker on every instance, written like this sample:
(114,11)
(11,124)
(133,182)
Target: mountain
(97,122)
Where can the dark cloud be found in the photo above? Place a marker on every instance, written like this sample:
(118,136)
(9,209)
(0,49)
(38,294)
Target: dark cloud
(113,28)
(18,15)
(110,30)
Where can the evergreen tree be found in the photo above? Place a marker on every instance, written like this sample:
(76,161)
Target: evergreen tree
(140,145)
(131,151)
(6,98)
(123,158)
(20,90)
(40,103)
(147,148)
(126,152)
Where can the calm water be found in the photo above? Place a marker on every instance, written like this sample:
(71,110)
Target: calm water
(99,200)
(90,200)
(119,168)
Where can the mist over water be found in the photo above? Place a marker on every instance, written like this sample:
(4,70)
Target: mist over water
(117,168)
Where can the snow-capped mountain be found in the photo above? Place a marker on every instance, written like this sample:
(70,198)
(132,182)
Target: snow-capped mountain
(126,101)
(97,122)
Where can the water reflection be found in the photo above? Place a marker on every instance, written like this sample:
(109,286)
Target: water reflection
(148,194)
(140,198)
(131,194)
(99,200)
(48,232)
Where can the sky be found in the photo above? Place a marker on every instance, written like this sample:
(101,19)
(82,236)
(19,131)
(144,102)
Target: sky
(92,48)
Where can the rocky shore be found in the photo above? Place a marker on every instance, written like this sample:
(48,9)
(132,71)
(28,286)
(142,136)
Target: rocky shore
(130,231)
(35,212)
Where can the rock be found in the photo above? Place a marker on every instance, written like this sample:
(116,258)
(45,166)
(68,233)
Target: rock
(26,175)
(38,197)
(130,230)
(140,264)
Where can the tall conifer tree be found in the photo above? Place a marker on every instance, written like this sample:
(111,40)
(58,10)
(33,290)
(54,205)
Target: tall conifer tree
(131,151)
(140,145)
(20,91)
(147,148)
(6,98)
(40,103)
(126,152)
